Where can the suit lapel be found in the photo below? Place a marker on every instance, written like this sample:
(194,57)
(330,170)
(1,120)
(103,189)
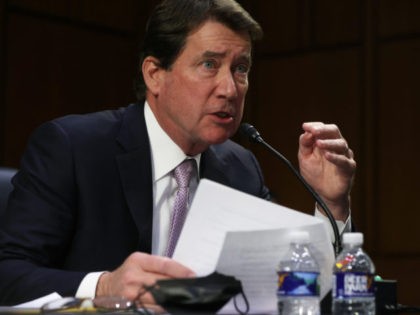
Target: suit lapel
(135,173)
(213,168)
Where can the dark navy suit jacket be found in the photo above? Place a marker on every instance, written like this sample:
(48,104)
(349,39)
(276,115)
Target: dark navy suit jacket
(83,200)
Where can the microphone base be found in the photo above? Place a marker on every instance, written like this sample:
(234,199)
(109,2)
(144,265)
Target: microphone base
(386,296)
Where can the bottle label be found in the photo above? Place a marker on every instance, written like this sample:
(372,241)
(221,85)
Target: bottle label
(353,284)
(298,283)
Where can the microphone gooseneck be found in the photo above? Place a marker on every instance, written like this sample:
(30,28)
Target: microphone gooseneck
(254,136)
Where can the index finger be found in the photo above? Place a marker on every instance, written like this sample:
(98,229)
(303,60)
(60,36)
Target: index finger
(322,131)
(164,266)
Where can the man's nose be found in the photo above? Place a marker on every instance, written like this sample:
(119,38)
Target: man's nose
(227,86)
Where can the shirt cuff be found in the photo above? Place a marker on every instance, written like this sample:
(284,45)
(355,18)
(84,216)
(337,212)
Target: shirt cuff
(87,288)
(343,227)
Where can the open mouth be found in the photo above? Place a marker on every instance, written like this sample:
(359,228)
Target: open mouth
(223,115)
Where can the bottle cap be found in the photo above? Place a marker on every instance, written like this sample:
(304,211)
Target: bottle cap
(299,237)
(353,238)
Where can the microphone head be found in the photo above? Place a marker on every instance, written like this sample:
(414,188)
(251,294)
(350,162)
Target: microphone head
(251,132)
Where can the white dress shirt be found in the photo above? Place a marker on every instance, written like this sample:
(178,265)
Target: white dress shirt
(166,156)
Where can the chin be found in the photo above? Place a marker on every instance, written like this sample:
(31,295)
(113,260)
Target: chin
(217,134)
(219,137)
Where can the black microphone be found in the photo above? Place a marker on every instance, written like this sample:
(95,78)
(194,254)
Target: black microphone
(254,136)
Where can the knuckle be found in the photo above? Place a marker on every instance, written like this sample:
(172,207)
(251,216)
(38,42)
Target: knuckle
(163,264)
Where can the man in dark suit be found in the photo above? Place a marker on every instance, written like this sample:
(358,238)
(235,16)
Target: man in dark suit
(90,212)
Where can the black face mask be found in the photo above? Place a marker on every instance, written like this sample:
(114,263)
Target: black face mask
(203,295)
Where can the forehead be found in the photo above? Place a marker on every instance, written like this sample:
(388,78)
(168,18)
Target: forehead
(215,36)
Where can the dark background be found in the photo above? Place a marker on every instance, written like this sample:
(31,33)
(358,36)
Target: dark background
(352,62)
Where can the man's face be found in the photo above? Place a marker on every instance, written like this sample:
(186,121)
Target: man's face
(200,99)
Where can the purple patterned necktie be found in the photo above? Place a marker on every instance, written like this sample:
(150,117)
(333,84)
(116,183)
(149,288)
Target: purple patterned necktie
(182,174)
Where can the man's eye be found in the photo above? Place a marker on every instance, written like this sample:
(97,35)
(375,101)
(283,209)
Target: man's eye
(242,68)
(209,64)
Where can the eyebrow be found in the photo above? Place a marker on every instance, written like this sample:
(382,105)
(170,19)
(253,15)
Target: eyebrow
(214,54)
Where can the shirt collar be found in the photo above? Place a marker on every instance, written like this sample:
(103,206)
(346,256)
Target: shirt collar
(166,154)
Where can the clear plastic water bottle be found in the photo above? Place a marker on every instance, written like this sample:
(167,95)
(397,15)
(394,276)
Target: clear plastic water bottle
(353,281)
(298,273)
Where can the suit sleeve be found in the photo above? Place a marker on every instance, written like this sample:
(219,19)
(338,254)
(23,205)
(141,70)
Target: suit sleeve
(37,228)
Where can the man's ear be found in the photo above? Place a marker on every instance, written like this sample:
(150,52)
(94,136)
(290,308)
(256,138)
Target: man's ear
(152,74)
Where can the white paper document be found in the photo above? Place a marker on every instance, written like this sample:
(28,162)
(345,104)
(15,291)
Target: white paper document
(38,303)
(30,307)
(244,236)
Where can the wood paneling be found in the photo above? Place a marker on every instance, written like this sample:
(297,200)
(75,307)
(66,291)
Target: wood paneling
(351,62)
(2,77)
(398,18)
(126,15)
(296,25)
(56,69)
(398,135)
(337,22)
(283,27)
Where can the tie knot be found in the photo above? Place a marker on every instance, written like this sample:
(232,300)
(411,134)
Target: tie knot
(183,172)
